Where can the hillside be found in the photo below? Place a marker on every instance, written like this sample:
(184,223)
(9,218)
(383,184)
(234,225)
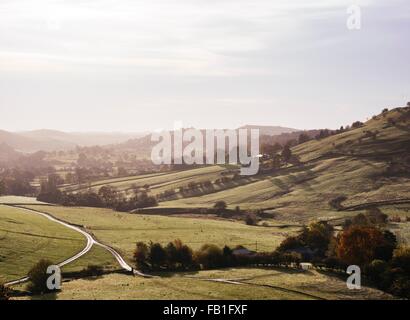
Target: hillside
(269,130)
(365,165)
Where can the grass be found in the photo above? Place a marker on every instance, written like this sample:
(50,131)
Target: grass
(305,194)
(348,164)
(26,238)
(161,181)
(96,256)
(123,230)
(19,200)
(255,284)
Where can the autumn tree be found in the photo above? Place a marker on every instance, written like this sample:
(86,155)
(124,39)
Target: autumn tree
(141,255)
(358,245)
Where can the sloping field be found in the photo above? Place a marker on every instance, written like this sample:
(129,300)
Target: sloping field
(304,194)
(26,238)
(249,284)
(354,164)
(392,137)
(19,200)
(123,230)
(158,180)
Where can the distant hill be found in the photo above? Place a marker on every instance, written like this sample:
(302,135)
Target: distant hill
(7,153)
(269,130)
(49,140)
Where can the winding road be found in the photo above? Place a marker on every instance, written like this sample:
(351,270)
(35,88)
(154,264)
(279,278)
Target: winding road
(90,242)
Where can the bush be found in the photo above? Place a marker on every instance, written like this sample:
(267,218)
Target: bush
(220,205)
(375,270)
(336,203)
(401,259)
(251,220)
(38,277)
(4,292)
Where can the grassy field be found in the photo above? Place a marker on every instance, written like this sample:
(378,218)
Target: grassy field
(97,256)
(252,284)
(25,238)
(123,230)
(20,200)
(301,195)
(158,181)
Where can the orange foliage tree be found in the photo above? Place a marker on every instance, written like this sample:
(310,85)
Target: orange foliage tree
(358,245)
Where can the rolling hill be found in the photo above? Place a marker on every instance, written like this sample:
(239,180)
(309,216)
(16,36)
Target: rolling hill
(364,165)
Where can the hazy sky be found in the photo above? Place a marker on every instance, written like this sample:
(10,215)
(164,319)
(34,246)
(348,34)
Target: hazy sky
(132,65)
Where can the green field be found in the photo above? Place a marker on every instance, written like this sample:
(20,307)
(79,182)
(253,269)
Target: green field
(25,238)
(251,284)
(123,230)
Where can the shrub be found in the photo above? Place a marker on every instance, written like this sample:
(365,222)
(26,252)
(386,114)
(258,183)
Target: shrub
(401,259)
(38,277)
(251,220)
(336,203)
(220,207)
(375,270)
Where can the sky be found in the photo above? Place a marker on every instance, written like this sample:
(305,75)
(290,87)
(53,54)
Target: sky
(132,65)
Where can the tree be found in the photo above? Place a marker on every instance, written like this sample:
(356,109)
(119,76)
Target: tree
(109,195)
(401,259)
(38,277)
(317,236)
(303,137)
(141,255)
(289,244)
(357,124)
(358,245)
(209,256)
(385,250)
(179,255)
(220,205)
(251,220)
(157,255)
(286,153)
